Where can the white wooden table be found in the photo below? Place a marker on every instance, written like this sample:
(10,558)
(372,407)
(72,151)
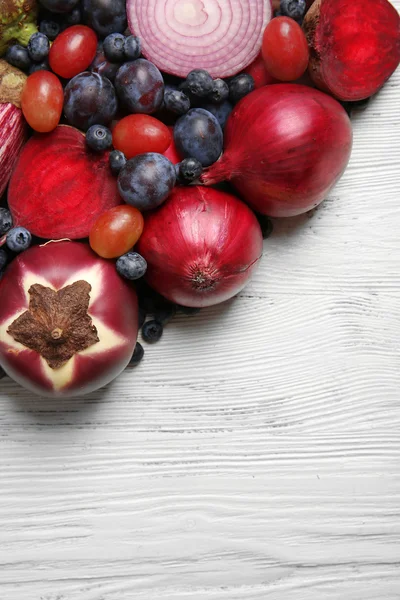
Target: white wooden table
(255,453)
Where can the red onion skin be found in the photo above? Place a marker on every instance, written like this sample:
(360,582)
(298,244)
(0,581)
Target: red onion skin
(181,35)
(354,46)
(13,135)
(286,145)
(115,307)
(59,187)
(201,246)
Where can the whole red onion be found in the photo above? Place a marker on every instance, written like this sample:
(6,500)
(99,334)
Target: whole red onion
(68,321)
(286,145)
(221,36)
(201,246)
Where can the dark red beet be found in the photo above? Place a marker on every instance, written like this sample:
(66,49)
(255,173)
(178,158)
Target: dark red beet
(59,187)
(355,46)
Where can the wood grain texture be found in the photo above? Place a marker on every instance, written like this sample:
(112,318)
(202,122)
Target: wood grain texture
(255,453)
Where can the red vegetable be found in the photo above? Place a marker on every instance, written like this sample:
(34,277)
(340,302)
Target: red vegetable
(221,36)
(73,50)
(355,46)
(137,134)
(13,129)
(284,49)
(68,322)
(172,151)
(42,101)
(59,187)
(286,145)
(201,246)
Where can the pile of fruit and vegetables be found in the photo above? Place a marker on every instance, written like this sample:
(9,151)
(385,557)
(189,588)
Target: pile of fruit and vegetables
(145,147)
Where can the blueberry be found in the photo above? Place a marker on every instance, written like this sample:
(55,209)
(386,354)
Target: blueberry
(3,258)
(266,225)
(220,111)
(42,66)
(38,47)
(2,373)
(190,169)
(140,86)
(131,265)
(49,28)
(74,17)
(240,86)
(295,9)
(113,47)
(59,6)
(141,317)
(117,161)
(132,47)
(146,180)
(199,135)
(165,313)
(152,331)
(98,138)
(137,355)
(219,92)
(176,101)
(89,99)
(18,57)
(18,239)
(6,221)
(106,16)
(199,83)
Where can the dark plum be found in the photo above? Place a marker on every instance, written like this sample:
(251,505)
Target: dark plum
(140,86)
(199,135)
(89,99)
(220,111)
(146,180)
(59,6)
(106,16)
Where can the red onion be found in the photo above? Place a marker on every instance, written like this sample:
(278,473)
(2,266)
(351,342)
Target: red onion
(68,321)
(286,145)
(221,36)
(13,128)
(201,246)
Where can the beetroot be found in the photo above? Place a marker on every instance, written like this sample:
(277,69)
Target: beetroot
(59,187)
(355,46)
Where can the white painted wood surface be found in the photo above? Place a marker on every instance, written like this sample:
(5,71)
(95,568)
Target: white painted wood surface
(255,453)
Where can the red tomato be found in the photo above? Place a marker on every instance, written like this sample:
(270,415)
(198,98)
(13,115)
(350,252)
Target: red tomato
(72,51)
(42,101)
(285,49)
(137,134)
(116,231)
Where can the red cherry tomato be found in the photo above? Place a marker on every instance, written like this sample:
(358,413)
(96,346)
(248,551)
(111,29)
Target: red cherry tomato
(42,101)
(137,134)
(259,73)
(116,231)
(285,49)
(72,51)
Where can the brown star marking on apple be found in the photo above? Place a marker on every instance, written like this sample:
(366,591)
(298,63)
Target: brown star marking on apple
(57,324)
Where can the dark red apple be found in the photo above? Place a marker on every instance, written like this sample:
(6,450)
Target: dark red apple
(354,46)
(59,187)
(68,321)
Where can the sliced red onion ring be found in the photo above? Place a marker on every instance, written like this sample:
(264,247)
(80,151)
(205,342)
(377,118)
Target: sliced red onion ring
(221,36)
